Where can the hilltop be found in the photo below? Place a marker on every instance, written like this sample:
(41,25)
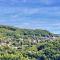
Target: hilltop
(9,30)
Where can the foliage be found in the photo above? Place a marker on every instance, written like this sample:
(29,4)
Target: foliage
(21,44)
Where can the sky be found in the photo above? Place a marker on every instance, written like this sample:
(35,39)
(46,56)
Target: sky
(31,14)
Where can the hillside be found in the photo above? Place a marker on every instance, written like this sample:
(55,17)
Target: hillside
(28,44)
(14,33)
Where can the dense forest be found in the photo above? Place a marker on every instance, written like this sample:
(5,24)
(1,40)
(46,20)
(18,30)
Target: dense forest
(28,44)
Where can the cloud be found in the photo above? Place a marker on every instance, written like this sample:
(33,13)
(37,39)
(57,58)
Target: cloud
(30,3)
(42,10)
(42,13)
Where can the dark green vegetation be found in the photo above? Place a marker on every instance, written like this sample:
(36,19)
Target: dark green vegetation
(28,44)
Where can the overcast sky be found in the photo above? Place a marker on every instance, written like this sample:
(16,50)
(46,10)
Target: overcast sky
(40,14)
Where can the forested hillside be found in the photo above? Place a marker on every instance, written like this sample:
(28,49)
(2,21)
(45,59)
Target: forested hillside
(28,44)
(8,31)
